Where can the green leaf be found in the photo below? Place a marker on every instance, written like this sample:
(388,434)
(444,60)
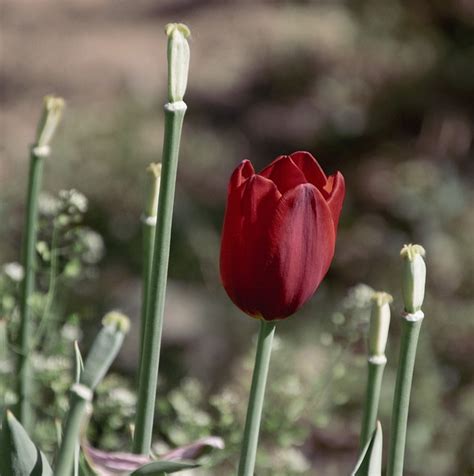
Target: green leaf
(370,460)
(159,468)
(18,454)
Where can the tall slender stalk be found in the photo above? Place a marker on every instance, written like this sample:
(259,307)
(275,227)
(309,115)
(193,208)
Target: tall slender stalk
(257,393)
(378,336)
(77,410)
(413,286)
(371,405)
(401,402)
(149,228)
(150,356)
(47,125)
(25,383)
(178,64)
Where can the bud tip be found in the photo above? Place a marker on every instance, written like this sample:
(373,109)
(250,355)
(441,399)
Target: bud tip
(411,250)
(118,320)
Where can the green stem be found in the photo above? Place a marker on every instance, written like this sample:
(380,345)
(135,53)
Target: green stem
(372,398)
(257,392)
(43,323)
(150,359)
(72,430)
(148,242)
(408,344)
(25,383)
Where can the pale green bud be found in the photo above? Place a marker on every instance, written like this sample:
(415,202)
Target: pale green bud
(154,174)
(414,277)
(178,60)
(52,111)
(104,348)
(379,324)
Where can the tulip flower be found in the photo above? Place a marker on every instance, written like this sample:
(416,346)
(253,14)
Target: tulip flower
(279,234)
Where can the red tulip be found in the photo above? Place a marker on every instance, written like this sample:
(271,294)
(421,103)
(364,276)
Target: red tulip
(279,234)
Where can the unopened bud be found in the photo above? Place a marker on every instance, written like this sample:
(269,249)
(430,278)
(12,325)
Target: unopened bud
(52,111)
(379,324)
(153,190)
(104,348)
(178,60)
(414,277)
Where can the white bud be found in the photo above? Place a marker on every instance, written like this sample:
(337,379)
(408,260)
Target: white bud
(414,277)
(379,323)
(178,60)
(51,115)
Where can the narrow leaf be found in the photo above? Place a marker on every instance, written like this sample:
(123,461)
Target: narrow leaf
(370,460)
(18,454)
(195,450)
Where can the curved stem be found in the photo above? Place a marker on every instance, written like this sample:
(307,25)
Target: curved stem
(401,402)
(25,384)
(257,393)
(150,358)
(372,398)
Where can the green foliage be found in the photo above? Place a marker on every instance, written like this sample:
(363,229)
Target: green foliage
(18,454)
(370,460)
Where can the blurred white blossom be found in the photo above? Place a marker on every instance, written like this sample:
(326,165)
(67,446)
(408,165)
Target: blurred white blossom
(14,271)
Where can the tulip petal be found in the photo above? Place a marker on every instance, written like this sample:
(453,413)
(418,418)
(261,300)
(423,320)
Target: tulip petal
(310,168)
(302,240)
(249,209)
(284,173)
(241,173)
(336,196)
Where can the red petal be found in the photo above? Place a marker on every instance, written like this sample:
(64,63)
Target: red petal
(249,209)
(311,169)
(284,173)
(241,173)
(336,196)
(302,241)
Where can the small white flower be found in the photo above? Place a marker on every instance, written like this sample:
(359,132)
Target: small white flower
(123,396)
(48,204)
(78,200)
(94,246)
(71,332)
(14,271)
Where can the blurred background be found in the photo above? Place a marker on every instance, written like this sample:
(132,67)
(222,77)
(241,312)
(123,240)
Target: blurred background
(382,91)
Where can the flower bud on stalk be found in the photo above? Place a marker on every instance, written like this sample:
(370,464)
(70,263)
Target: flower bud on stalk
(175,109)
(178,60)
(103,351)
(52,112)
(414,277)
(378,335)
(47,125)
(379,324)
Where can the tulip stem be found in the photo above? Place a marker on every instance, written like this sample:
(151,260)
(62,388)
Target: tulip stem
(150,355)
(257,393)
(25,411)
(401,401)
(372,397)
